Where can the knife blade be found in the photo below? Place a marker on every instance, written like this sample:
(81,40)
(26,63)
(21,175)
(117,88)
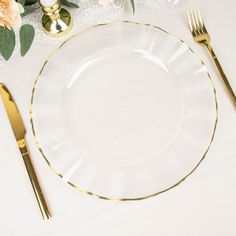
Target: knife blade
(19,132)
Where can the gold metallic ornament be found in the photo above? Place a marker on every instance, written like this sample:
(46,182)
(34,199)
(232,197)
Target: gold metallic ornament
(56,21)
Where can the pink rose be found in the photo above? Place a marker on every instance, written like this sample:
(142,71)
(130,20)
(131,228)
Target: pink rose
(10,12)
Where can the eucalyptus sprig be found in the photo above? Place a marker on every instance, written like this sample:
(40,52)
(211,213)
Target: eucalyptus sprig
(26,32)
(8,41)
(8,35)
(69,4)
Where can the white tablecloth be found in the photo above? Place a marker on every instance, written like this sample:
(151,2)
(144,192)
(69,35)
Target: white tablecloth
(204,205)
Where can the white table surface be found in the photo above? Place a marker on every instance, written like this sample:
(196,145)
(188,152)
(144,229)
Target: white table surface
(204,205)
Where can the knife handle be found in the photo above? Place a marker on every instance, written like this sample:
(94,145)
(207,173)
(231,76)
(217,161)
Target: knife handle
(33,179)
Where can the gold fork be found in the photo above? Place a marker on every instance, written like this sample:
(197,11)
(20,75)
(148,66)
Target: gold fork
(201,36)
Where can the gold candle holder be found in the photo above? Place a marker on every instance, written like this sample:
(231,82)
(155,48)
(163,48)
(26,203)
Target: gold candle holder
(56,21)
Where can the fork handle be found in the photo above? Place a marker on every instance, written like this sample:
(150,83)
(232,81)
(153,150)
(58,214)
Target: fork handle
(223,76)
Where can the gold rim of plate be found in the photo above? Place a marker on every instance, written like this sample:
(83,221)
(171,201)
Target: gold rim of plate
(87,191)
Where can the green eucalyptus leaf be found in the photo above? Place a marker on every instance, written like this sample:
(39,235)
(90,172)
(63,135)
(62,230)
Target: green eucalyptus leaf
(22,2)
(69,4)
(7,42)
(26,38)
(133,5)
(29,10)
(30,2)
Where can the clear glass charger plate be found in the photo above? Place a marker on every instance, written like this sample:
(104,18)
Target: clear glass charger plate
(123,111)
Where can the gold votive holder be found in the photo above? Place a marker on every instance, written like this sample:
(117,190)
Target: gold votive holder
(56,21)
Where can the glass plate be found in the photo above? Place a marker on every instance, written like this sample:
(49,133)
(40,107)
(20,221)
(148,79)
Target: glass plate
(123,111)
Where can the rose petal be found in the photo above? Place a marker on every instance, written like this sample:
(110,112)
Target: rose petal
(10,17)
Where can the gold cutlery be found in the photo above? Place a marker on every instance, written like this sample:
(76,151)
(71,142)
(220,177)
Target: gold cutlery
(19,132)
(201,36)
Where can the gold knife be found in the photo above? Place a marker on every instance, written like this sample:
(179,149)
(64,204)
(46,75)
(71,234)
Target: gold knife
(19,132)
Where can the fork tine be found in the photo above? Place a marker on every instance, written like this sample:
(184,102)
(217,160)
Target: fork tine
(193,21)
(200,18)
(202,28)
(190,20)
(198,23)
(201,22)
